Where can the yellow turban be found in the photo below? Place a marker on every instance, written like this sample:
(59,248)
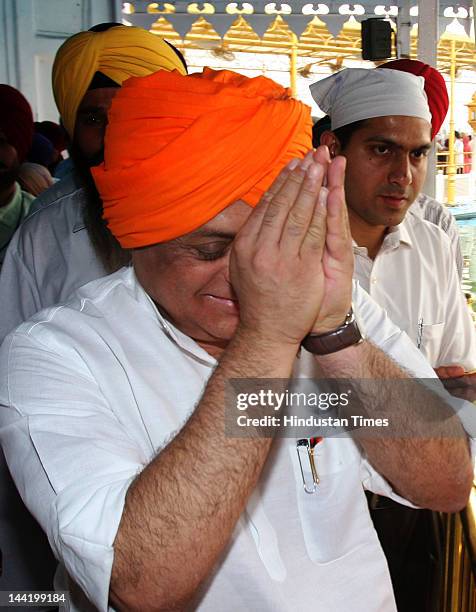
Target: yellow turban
(119,53)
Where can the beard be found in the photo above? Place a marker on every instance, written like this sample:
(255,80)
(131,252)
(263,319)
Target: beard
(107,248)
(83,163)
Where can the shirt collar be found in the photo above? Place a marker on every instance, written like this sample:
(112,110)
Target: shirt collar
(404,234)
(186,344)
(79,222)
(396,235)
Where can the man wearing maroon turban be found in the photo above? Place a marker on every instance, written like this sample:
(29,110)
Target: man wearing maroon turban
(16,134)
(114,412)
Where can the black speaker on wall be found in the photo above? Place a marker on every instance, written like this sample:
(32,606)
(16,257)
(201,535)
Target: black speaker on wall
(376,39)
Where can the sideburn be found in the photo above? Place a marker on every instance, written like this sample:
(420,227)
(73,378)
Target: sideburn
(107,248)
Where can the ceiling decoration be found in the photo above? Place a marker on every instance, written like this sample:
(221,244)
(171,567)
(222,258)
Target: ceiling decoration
(311,29)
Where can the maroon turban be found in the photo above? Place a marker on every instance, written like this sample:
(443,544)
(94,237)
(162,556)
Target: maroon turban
(435,88)
(16,120)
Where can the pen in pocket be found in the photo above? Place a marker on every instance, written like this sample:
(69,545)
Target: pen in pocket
(419,332)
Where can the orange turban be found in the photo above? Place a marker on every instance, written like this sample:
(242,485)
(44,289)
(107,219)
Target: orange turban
(180,149)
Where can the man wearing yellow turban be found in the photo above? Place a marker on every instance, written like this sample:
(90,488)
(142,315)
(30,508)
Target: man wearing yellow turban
(158,494)
(65,244)
(53,253)
(113,55)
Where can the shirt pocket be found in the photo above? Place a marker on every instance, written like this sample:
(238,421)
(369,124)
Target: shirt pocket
(334,520)
(431,339)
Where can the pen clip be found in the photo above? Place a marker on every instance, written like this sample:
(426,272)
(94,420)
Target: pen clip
(305,452)
(419,332)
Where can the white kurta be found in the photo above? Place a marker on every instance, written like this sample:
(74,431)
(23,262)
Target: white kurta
(49,257)
(414,279)
(92,390)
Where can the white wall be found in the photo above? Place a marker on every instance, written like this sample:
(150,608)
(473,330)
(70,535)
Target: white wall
(31,32)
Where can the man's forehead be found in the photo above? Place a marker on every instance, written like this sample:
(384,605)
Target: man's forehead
(100,98)
(392,122)
(397,127)
(226,224)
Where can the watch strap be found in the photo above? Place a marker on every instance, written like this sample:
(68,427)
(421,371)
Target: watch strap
(340,338)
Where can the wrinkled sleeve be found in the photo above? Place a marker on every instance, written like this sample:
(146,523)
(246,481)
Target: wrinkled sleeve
(19,295)
(382,332)
(69,455)
(453,235)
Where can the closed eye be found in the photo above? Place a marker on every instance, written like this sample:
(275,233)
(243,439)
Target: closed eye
(211,256)
(212,251)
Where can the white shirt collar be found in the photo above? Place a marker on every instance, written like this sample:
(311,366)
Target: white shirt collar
(184,342)
(396,235)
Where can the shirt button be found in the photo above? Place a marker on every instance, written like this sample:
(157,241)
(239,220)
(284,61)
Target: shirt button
(373,279)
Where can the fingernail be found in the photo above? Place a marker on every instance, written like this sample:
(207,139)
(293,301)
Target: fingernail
(314,172)
(305,163)
(322,197)
(293,164)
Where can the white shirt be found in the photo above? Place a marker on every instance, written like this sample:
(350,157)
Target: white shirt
(93,389)
(49,256)
(414,278)
(459,152)
(433,211)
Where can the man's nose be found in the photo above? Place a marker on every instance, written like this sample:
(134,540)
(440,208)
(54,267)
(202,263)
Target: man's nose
(401,170)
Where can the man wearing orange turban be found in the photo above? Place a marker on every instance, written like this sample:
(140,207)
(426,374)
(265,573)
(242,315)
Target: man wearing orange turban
(113,417)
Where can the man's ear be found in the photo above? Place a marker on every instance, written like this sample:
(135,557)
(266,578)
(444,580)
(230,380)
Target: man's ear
(329,139)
